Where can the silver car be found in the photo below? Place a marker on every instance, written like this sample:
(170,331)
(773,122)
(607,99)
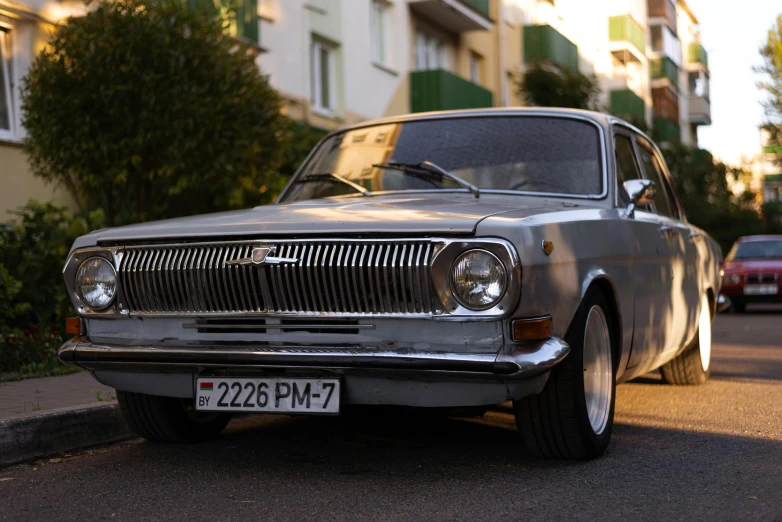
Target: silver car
(455,259)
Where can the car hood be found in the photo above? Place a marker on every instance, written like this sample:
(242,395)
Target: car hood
(754,265)
(448,214)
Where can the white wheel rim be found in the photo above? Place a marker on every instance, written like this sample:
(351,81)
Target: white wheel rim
(598,372)
(704,333)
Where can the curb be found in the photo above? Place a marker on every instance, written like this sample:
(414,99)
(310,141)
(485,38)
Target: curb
(56,431)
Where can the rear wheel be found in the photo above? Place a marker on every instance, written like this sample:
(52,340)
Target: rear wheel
(168,419)
(692,366)
(572,418)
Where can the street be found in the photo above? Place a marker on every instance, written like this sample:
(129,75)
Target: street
(712,452)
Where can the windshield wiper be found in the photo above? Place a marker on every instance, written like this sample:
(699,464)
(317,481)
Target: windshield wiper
(330,176)
(428,169)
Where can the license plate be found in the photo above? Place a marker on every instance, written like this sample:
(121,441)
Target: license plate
(770,289)
(277,395)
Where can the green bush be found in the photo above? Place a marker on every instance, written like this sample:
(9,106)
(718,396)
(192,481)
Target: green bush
(33,300)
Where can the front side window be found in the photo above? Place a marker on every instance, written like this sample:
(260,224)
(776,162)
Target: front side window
(322,76)
(527,154)
(626,166)
(6,117)
(663,203)
(379,21)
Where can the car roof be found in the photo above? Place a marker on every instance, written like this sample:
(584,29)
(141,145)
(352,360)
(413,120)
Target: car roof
(767,237)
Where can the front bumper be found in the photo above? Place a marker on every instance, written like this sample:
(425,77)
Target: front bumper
(446,376)
(512,362)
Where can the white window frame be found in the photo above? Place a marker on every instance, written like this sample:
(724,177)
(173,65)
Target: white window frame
(319,103)
(475,67)
(380,27)
(6,66)
(431,52)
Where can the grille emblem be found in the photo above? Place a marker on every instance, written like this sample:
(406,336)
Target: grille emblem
(260,256)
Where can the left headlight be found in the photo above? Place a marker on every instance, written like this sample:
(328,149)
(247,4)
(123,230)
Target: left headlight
(478,279)
(96,283)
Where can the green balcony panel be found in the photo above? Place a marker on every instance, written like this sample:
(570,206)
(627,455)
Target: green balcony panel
(697,54)
(665,68)
(440,90)
(772,178)
(543,43)
(625,29)
(773,149)
(482,6)
(664,130)
(628,105)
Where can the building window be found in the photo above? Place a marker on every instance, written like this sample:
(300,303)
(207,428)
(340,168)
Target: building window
(6,93)
(322,60)
(657,38)
(379,24)
(476,68)
(430,52)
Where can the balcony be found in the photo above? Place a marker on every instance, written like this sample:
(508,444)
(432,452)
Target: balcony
(628,39)
(665,103)
(664,68)
(664,130)
(699,110)
(244,23)
(629,106)
(543,43)
(455,15)
(772,149)
(440,90)
(665,9)
(697,55)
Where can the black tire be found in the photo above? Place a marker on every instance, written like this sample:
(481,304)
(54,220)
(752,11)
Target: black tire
(168,419)
(555,423)
(687,368)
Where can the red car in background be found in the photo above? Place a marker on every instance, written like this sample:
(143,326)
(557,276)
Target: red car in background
(753,271)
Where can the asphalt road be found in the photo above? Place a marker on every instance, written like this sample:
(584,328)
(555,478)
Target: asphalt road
(712,452)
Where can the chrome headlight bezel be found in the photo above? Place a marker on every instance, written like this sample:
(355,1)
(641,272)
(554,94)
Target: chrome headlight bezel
(442,267)
(75,260)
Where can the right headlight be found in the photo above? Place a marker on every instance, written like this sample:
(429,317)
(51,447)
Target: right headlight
(96,283)
(478,279)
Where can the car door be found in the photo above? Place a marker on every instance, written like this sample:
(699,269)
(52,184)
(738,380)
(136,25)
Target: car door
(649,252)
(683,292)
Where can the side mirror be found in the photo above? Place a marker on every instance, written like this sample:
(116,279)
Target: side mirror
(641,192)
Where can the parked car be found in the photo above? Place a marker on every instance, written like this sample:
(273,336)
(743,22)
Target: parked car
(752,271)
(455,259)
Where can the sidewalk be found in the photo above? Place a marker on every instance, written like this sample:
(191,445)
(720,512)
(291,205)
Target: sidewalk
(50,415)
(32,396)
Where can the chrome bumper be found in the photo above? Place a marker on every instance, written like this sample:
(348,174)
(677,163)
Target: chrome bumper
(513,362)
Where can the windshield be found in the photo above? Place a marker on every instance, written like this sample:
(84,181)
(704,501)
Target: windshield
(522,153)
(771,249)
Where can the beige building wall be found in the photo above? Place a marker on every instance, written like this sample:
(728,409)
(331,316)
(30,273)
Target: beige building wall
(19,185)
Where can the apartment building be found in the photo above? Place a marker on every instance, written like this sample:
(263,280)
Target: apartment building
(771,167)
(337,62)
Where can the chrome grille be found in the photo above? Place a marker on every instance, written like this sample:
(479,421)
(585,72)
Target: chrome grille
(380,277)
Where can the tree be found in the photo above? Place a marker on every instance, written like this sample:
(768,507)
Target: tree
(547,86)
(147,109)
(771,52)
(702,185)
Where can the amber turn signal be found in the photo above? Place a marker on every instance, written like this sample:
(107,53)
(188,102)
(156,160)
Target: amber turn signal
(73,325)
(532,329)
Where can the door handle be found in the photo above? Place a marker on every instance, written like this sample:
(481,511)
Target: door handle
(668,231)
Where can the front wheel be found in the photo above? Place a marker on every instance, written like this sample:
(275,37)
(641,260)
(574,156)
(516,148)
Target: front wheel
(168,419)
(693,365)
(572,418)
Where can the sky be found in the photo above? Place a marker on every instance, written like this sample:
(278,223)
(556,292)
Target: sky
(732,33)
